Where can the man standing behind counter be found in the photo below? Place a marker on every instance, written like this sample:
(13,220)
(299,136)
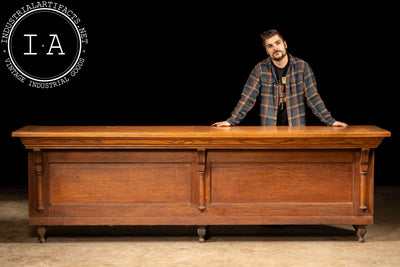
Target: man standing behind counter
(282,82)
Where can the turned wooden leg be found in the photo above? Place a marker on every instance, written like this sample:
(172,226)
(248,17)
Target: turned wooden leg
(360,230)
(41,230)
(202,231)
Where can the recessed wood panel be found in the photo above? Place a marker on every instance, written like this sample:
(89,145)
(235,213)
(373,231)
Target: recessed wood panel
(120,183)
(281,182)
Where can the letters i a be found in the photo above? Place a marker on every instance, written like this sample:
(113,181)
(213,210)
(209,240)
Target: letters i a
(55,39)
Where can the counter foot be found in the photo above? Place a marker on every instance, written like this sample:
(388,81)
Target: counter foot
(360,230)
(41,230)
(202,231)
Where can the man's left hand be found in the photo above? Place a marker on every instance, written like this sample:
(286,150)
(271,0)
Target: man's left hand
(340,124)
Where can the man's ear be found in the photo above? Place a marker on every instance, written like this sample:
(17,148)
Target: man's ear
(285,44)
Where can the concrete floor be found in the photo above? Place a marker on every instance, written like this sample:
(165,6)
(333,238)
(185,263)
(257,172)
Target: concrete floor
(328,245)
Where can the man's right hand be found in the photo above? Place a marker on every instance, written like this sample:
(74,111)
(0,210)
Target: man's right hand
(221,124)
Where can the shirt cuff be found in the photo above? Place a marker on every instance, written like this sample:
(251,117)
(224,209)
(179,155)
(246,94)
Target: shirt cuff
(232,122)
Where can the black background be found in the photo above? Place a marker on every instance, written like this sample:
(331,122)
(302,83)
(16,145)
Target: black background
(186,64)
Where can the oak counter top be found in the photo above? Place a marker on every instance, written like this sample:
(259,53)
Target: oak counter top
(200,137)
(200,131)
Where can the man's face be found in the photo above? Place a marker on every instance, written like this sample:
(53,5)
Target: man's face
(276,48)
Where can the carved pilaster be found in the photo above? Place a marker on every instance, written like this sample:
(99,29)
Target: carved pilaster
(38,166)
(364,163)
(201,169)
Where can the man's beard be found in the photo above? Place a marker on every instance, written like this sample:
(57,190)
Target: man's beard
(279,58)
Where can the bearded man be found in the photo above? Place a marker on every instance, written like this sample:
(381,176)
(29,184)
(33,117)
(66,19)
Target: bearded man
(282,82)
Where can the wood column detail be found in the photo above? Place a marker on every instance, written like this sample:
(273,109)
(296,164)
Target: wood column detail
(201,168)
(38,166)
(364,163)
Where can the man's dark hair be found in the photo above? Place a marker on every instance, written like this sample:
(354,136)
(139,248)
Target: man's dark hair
(268,34)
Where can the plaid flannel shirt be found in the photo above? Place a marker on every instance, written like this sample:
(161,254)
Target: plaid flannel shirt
(300,84)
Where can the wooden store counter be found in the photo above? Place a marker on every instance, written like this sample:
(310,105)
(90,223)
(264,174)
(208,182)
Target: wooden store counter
(200,175)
